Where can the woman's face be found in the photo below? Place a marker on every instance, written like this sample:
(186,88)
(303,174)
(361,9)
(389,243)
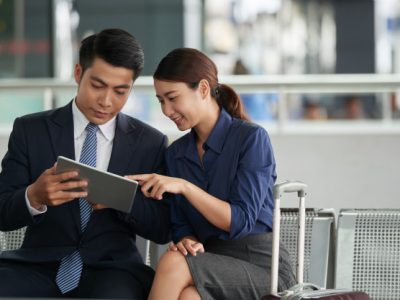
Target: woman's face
(183,105)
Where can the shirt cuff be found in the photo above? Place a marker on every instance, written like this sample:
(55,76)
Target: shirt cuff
(34,211)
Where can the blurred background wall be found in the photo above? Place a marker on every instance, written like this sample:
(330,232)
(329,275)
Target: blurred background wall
(34,30)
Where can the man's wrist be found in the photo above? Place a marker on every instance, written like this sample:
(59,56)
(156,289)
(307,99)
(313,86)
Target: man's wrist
(31,199)
(34,211)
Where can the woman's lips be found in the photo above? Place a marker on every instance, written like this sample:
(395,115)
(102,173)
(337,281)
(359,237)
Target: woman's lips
(178,121)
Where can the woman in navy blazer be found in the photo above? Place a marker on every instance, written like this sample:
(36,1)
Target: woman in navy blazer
(221,174)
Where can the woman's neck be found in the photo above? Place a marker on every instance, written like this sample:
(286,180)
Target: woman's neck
(204,128)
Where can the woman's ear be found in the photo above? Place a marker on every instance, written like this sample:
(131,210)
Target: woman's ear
(204,88)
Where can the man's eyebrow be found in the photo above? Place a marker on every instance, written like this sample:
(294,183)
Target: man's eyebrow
(95,78)
(122,86)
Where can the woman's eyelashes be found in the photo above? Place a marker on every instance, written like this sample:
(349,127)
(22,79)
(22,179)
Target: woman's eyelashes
(172,98)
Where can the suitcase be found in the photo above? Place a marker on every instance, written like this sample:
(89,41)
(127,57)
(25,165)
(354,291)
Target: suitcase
(301,290)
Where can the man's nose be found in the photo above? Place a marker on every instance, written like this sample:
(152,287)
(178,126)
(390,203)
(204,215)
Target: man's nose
(106,99)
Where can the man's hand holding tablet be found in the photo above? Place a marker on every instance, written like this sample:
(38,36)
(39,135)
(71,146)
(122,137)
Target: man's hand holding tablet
(104,189)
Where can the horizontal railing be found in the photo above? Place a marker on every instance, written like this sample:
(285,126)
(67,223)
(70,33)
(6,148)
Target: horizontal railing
(248,83)
(283,86)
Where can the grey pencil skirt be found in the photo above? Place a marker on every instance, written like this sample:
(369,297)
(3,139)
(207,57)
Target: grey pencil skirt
(238,269)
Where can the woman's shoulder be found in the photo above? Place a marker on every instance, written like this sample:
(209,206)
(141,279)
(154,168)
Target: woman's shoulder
(248,130)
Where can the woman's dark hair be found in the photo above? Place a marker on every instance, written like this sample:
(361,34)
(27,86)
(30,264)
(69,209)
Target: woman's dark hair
(116,46)
(190,66)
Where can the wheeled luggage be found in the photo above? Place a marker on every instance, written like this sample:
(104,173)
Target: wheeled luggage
(301,290)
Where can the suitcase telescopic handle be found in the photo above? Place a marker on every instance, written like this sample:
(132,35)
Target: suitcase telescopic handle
(290,187)
(279,189)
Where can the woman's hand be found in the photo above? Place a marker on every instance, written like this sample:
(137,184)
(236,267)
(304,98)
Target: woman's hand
(155,185)
(187,244)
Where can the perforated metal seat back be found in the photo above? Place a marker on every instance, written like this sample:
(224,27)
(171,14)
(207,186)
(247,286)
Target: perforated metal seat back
(12,240)
(318,235)
(143,247)
(368,252)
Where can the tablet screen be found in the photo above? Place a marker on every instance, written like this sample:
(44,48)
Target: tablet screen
(105,188)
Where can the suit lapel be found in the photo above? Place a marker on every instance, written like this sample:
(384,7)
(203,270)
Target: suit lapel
(125,142)
(61,129)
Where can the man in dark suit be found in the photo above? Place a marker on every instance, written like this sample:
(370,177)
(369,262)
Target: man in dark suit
(63,255)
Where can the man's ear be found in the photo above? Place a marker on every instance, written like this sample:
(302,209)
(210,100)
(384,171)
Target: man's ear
(78,72)
(204,88)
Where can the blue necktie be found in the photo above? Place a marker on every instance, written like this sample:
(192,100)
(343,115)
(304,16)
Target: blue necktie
(70,268)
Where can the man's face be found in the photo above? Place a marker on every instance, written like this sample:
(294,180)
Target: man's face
(103,90)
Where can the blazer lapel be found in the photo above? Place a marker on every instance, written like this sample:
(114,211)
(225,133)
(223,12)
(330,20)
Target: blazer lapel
(61,129)
(125,142)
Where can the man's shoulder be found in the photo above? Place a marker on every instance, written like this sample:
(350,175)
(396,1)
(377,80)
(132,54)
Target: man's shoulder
(38,115)
(138,124)
(43,115)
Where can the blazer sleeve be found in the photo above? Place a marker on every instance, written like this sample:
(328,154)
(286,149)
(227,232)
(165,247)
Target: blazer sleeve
(14,179)
(151,218)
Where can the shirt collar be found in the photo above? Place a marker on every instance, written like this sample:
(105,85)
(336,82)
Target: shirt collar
(215,140)
(80,123)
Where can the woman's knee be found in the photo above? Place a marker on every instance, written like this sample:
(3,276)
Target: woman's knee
(190,293)
(172,261)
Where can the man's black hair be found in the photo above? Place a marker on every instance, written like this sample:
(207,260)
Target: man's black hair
(115,46)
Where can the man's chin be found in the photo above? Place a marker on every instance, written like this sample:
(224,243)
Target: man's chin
(99,119)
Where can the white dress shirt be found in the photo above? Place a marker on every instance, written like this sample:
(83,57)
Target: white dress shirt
(105,137)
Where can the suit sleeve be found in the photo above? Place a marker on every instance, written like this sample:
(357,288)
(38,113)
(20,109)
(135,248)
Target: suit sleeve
(151,218)
(14,179)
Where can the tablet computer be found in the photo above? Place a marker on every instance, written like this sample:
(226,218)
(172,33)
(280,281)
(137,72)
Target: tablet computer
(105,188)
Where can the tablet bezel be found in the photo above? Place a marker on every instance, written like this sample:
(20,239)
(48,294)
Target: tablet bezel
(105,188)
